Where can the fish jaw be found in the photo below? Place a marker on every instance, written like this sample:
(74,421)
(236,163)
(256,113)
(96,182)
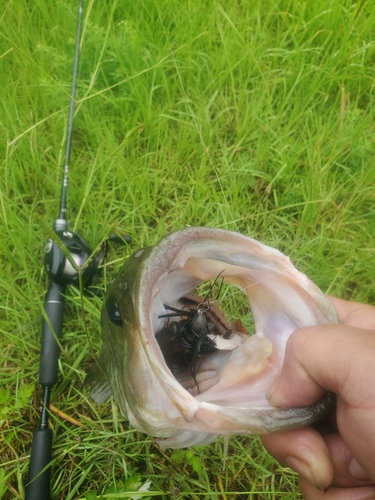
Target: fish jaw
(232,383)
(123,358)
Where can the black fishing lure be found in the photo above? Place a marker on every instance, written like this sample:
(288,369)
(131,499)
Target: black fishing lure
(182,342)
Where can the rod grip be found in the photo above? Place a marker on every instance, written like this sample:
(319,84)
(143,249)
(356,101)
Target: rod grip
(54,303)
(38,483)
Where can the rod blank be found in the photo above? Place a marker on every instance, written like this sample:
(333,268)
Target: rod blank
(39,476)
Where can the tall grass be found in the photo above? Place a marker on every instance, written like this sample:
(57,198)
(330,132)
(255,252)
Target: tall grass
(251,116)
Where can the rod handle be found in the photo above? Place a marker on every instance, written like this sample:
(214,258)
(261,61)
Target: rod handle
(38,483)
(54,303)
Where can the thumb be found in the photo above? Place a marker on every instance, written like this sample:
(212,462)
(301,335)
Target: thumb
(336,358)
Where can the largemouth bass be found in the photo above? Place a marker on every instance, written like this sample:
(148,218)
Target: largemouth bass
(186,383)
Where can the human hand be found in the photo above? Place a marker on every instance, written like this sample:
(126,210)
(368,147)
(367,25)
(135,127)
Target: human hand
(335,458)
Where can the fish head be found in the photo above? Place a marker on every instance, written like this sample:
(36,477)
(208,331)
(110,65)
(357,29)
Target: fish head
(220,390)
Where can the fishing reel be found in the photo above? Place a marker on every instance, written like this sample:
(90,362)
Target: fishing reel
(60,268)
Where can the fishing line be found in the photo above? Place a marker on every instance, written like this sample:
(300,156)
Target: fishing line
(204,146)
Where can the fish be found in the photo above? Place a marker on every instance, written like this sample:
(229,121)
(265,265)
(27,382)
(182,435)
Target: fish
(225,393)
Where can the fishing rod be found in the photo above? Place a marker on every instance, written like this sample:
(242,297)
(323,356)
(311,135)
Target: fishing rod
(62,271)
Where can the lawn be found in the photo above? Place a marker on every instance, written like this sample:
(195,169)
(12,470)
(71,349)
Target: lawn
(254,116)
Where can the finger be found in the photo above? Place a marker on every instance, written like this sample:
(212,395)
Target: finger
(354,313)
(310,492)
(323,461)
(344,308)
(345,475)
(305,451)
(356,470)
(325,357)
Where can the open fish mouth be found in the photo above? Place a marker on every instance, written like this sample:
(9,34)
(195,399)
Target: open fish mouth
(177,367)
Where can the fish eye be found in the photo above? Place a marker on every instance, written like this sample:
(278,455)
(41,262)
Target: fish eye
(113,313)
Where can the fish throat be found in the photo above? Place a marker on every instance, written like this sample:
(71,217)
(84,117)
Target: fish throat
(198,329)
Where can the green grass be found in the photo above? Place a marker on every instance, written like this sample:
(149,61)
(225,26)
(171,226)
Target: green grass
(252,116)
